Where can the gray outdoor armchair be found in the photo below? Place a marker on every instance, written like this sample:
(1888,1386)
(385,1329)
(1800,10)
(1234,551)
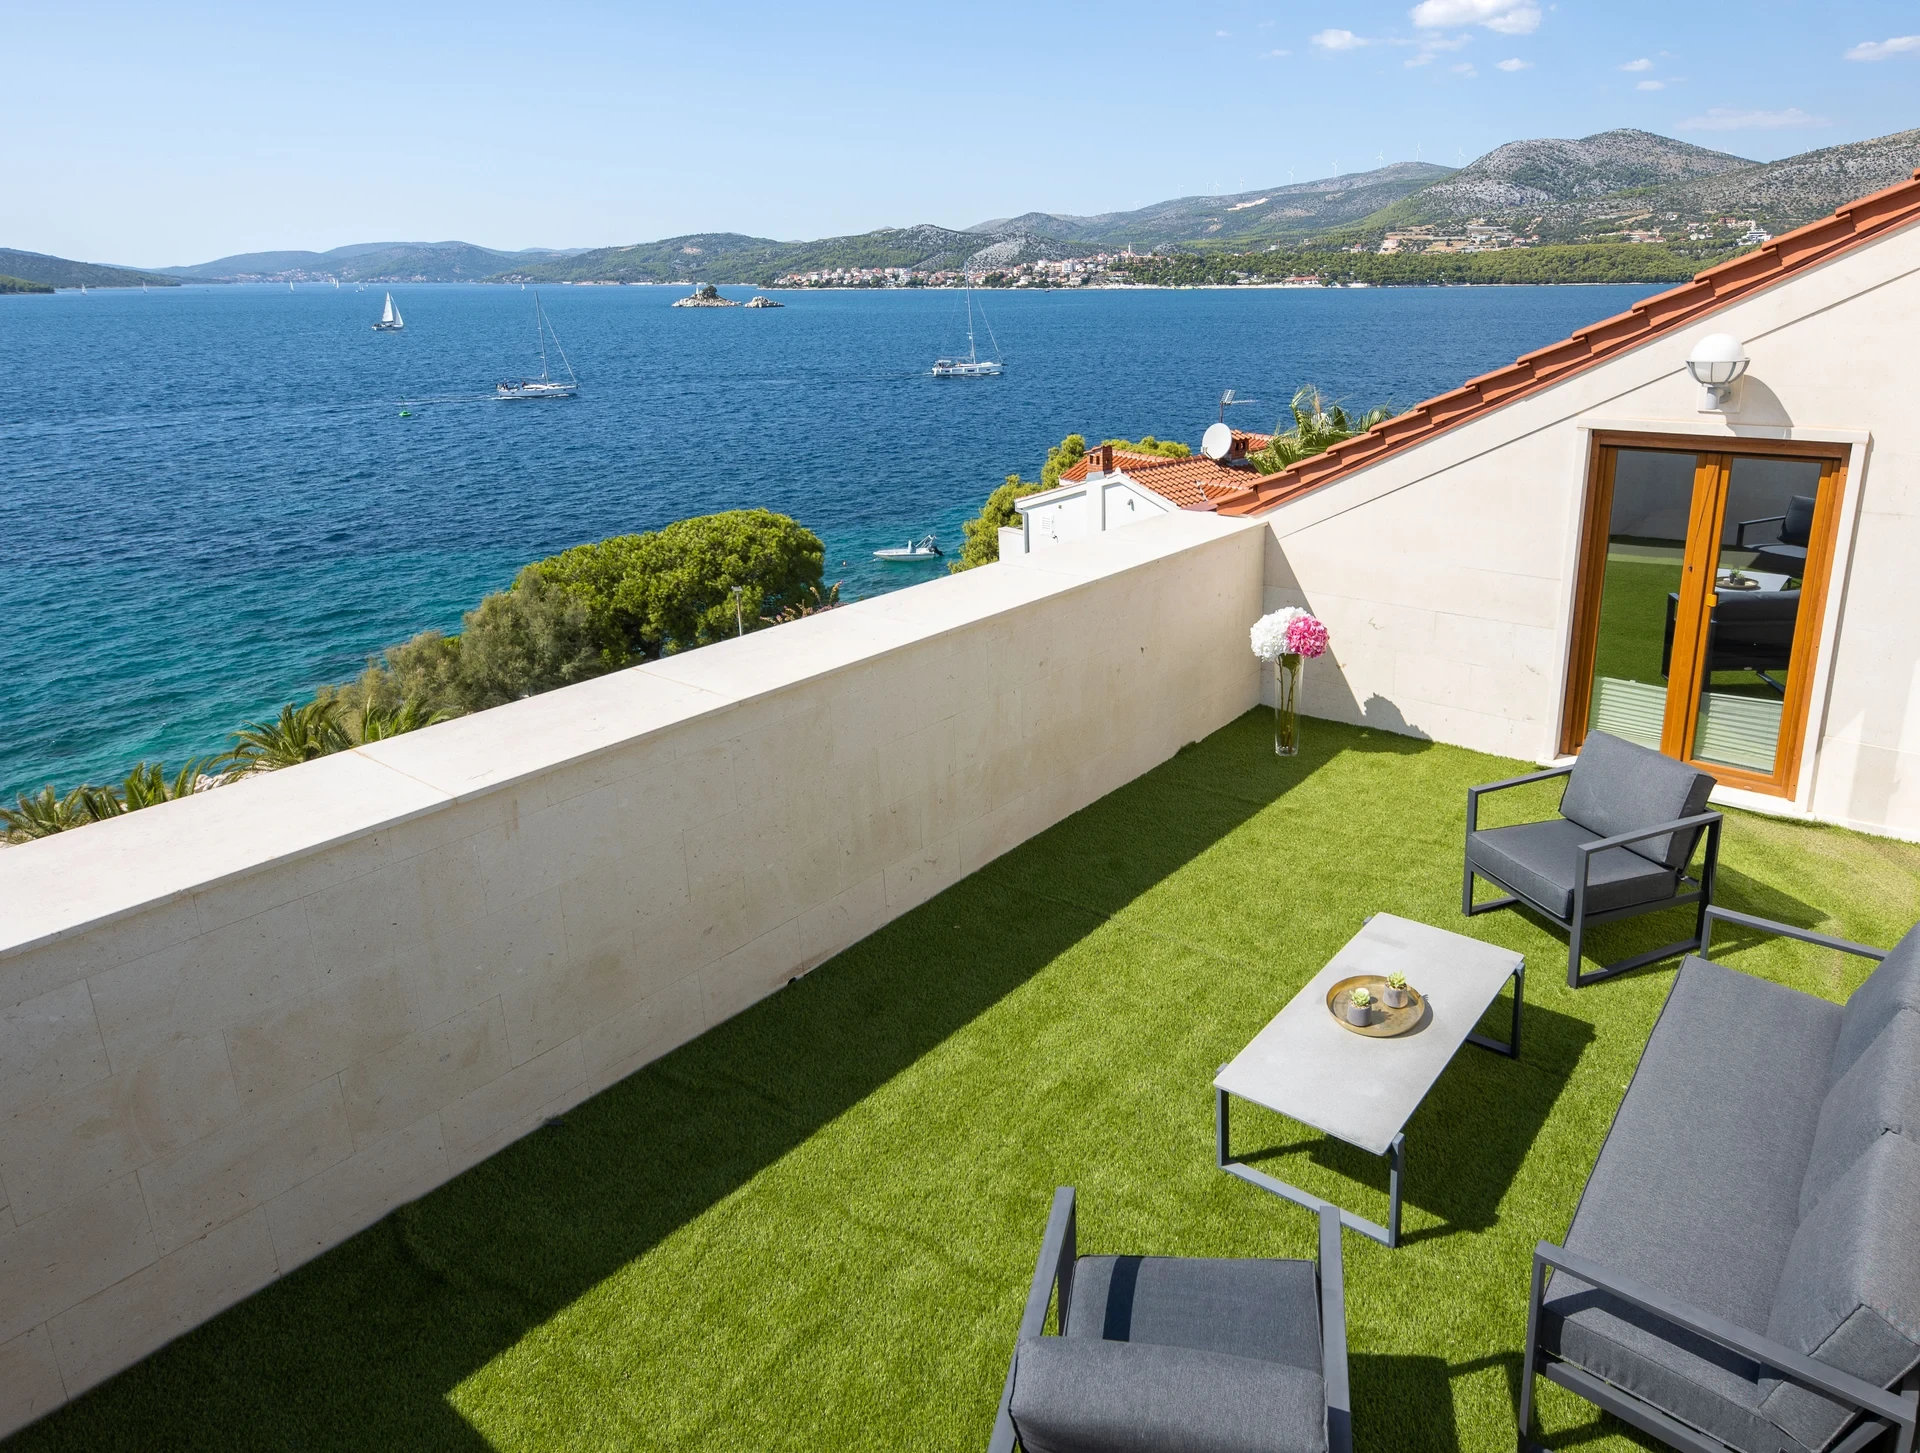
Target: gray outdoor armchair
(1787,552)
(1743,1269)
(1164,1354)
(1630,820)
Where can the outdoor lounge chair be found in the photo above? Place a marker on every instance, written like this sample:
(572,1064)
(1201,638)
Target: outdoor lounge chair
(1628,825)
(1162,1354)
(1743,1269)
(1786,555)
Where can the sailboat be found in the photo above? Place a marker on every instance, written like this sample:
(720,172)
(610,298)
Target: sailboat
(543,387)
(390,319)
(973,365)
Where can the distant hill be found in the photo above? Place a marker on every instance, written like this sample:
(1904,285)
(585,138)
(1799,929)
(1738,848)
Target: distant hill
(1544,173)
(1270,214)
(729,257)
(60,272)
(21,285)
(364,262)
(1571,191)
(1798,189)
(1588,190)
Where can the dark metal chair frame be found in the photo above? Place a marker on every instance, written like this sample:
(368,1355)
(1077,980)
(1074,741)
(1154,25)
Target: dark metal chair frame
(1881,1410)
(1580,920)
(1054,1270)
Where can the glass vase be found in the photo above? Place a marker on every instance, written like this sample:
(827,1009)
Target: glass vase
(1286,705)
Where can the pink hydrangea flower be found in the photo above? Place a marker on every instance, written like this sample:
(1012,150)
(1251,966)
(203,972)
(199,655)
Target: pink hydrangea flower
(1306,636)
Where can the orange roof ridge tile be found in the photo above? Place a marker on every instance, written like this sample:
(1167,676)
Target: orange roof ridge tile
(1858,222)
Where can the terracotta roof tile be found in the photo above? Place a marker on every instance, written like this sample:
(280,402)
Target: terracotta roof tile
(1850,226)
(1192,482)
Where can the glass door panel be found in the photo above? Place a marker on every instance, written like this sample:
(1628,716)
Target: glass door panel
(1754,609)
(1652,500)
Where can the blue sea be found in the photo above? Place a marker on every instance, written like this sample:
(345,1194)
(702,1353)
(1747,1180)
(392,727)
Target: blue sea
(213,500)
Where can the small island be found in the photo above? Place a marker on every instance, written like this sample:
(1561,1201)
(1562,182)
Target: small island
(705,297)
(761,300)
(21,285)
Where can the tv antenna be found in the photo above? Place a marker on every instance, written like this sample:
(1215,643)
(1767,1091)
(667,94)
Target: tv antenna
(1228,401)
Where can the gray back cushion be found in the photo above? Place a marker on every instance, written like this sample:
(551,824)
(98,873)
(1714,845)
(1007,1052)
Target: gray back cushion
(1892,986)
(1617,787)
(1849,1294)
(1878,1095)
(1089,1395)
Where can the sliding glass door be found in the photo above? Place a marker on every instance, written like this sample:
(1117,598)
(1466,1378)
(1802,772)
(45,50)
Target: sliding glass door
(1703,585)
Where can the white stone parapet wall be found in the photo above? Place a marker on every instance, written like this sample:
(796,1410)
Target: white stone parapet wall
(235,1030)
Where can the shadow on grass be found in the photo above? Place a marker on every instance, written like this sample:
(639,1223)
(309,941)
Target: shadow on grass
(360,1348)
(1469,1139)
(1404,1403)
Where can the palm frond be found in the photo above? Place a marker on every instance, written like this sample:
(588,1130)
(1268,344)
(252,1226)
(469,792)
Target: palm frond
(301,734)
(376,723)
(45,813)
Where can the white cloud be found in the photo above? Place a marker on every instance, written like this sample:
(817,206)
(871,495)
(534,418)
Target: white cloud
(1643,64)
(1879,50)
(1651,86)
(1273,55)
(1446,42)
(1726,118)
(1509,17)
(1220,35)
(1515,64)
(1424,58)
(1340,40)
(1464,69)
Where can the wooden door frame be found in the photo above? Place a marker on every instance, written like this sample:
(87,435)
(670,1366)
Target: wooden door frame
(1603,450)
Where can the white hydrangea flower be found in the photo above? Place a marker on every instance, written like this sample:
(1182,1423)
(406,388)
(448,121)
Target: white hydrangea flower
(1269,633)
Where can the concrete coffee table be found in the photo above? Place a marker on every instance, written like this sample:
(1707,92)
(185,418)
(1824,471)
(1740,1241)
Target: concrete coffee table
(1363,1090)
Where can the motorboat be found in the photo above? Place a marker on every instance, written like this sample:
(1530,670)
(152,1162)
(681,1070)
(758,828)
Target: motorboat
(924,548)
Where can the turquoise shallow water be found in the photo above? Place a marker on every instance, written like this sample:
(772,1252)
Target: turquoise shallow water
(209,503)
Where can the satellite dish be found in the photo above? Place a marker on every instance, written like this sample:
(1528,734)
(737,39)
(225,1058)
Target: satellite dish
(1217,442)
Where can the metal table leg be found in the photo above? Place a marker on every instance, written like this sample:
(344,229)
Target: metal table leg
(1511,1049)
(1387,1235)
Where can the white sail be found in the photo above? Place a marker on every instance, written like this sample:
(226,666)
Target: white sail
(388,315)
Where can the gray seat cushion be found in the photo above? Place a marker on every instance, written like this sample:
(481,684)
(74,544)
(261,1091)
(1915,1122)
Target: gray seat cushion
(1538,861)
(1878,1095)
(1088,1395)
(1697,1193)
(1618,786)
(1893,985)
(1264,1309)
(1849,1294)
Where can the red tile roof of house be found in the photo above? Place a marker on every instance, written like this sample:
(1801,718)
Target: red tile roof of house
(1849,227)
(1189,482)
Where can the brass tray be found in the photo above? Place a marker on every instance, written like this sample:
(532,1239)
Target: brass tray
(1384,1023)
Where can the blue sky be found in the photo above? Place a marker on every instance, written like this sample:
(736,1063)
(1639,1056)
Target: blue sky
(153,137)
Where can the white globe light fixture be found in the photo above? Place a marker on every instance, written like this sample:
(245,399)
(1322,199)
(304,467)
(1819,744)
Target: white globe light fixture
(1717,363)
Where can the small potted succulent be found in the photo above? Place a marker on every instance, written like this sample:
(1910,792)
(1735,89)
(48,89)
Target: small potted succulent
(1359,1007)
(1396,992)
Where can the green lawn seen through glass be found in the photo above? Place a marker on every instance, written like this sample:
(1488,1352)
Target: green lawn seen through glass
(813,1227)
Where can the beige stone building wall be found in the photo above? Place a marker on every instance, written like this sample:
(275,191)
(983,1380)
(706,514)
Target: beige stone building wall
(1446,575)
(237,1029)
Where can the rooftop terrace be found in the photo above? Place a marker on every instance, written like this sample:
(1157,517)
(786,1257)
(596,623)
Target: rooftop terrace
(813,1226)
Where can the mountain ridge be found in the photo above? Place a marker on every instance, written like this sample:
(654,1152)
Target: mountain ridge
(1587,189)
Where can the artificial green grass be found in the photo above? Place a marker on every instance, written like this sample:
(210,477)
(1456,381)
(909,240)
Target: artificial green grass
(814,1226)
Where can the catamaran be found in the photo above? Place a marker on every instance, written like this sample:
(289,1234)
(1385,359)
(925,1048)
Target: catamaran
(543,387)
(390,319)
(973,365)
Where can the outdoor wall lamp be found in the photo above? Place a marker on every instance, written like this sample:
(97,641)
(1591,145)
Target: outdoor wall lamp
(1717,363)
